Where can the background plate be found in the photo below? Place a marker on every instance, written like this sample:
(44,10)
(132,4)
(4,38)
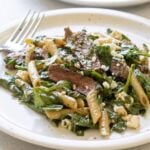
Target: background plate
(21,122)
(107,3)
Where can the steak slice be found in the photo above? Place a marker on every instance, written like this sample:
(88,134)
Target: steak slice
(119,69)
(68,33)
(82,46)
(144,69)
(83,84)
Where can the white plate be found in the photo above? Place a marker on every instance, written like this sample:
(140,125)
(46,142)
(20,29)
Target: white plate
(107,3)
(21,122)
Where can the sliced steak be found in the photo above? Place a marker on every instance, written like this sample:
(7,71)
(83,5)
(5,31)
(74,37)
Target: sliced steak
(82,47)
(119,69)
(144,69)
(83,84)
(68,33)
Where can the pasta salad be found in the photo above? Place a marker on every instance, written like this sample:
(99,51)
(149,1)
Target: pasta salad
(82,80)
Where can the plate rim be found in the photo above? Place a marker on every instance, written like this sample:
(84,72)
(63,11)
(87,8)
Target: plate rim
(109,3)
(50,142)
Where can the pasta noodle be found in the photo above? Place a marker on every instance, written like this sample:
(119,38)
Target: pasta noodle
(29,52)
(94,106)
(24,75)
(104,124)
(33,74)
(68,101)
(58,114)
(50,46)
(139,91)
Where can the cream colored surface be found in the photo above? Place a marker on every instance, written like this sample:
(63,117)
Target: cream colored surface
(107,3)
(14,9)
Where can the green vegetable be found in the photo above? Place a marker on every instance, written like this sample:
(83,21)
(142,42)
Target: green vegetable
(130,54)
(64,84)
(131,70)
(47,83)
(143,54)
(146,48)
(20,67)
(97,76)
(26,90)
(53,107)
(10,61)
(117,124)
(44,75)
(8,82)
(136,108)
(124,37)
(82,121)
(93,37)
(75,94)
(40,63)
(80,124)
(38,101)
(104,54)
(145,82)
(60,85)
(50,98)
(44,99)
(27,94)
(78,130)
(35,108)
(43,64)
(106,93)
(109,31)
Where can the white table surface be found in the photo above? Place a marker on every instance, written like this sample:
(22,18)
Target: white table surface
(14,9)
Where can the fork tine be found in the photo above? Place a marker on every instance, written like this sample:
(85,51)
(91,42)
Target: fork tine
(32,27)
(27,23)
(19,27)
(37,25)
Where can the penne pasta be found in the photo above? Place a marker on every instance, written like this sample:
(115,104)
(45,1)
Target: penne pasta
(139,91)
(68,100)
(49,46)
(20,82)
(33,74)
(80,103)
(59,42)
(29,52)
(28,41)
(82,111)
(94,106)
(104,127)
(116,35)
(24,75)
(54,114)
(58,114)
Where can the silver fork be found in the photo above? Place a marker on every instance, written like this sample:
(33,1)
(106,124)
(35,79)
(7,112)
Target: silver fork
(27,28)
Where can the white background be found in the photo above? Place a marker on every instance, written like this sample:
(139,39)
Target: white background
(14,9)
